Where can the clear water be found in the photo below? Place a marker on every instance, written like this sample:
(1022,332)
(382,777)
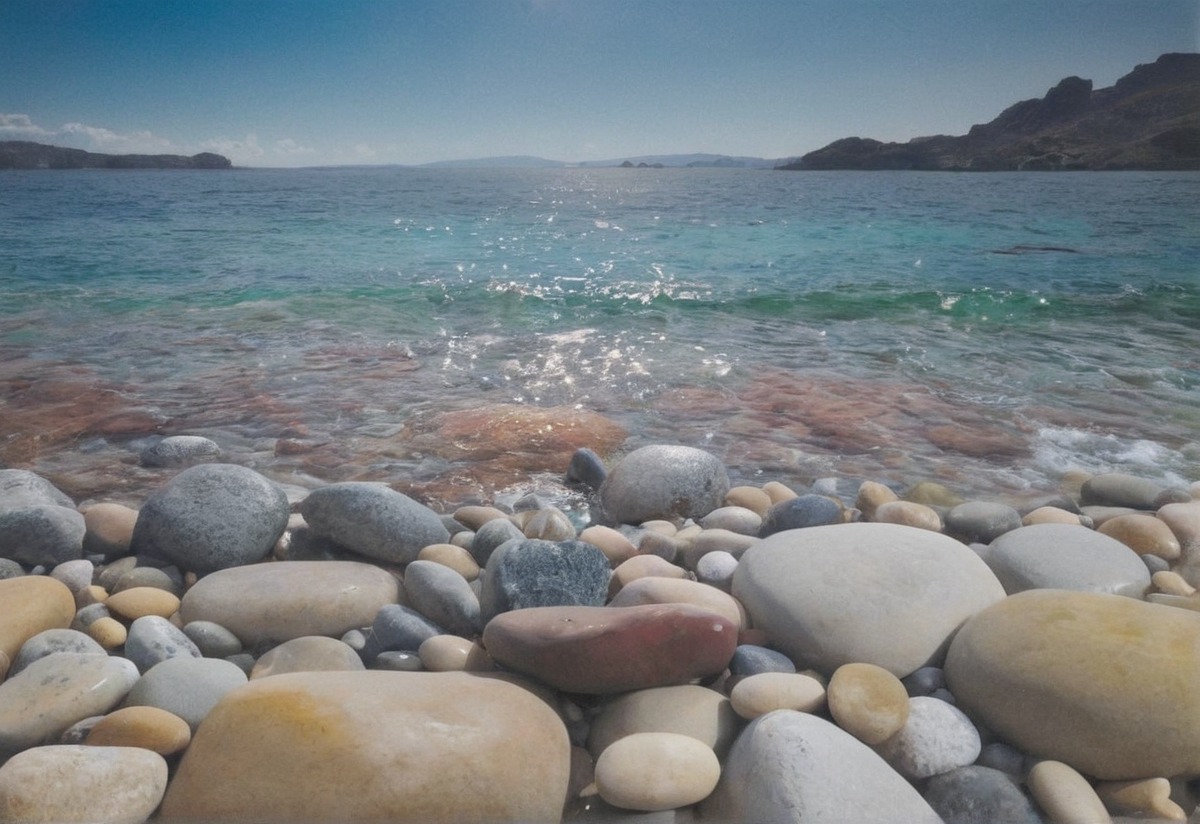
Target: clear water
(988,331)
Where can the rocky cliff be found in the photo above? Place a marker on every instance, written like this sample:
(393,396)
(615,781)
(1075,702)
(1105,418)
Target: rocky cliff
(1150,119)
(17,154)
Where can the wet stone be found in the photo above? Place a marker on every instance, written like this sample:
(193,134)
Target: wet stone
(799,513)
(373,520)
(179,450)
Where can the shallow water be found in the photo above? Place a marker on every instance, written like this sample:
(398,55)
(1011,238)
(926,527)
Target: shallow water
(989,331)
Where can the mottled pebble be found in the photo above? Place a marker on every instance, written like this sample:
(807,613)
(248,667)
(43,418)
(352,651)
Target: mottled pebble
(153,639)
(663,481)
(179,450)
(936,738)
(46,535)
(868,702)
(656,771)
(50,641)
(547,525)
(532,573)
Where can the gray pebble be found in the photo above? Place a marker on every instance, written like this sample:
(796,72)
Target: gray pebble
(20,488)
(924,681)
(153,639)
(179,450)
(50,641)
(716,569)
(45,534)
(979,795)
(75,574)
(530,573)
(212,639)
(491,535)
(398,661)
(374,520)
(188,687)
(443,596)
(981,521)
(800,512)
(586,468)
(751,659)
(397,627)
(10,569)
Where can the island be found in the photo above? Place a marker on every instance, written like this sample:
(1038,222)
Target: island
(1148,120)
(20,154)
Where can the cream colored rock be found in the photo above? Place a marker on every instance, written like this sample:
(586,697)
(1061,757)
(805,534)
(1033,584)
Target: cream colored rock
(455,557)
(658,590)
(702,713)
(656,771)
(1144,534)
(547,525)
(868,702)
(1065,796)
(473,517)
(150,728)
(907,513)
(751,497)
(1102,682)
(309,653)
(135,602)
(374,746)
(108,632)
(661,527)
(108,529)
(871,496)
(1050,515)
(72,784)
(1149,798)
(715,540)
(765,692)
(615,546)
(32,603)
(450,653)
(1183,519)
(643,566)
(92,594)
(1172,583)
(778,492)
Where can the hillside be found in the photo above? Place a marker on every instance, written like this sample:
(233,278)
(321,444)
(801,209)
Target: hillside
(19,154)
(1150,119)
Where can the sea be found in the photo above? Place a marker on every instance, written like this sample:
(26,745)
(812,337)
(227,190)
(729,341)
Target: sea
(1001,334)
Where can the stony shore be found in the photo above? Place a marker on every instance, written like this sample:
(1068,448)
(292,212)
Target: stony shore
(237,650)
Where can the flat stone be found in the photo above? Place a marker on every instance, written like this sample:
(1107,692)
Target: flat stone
(1101,682)
(280,601)
(1065,796)
(656,771)
(443,596)
(980,795)
(660,590)
(32,603)
(38,704)
(50,641)
(109,529)
(936,738)
(766,692)
(907,513)
(415,747)
(1144,534)
(868,702)
(1061,556)
(186,687)
(45,535)
(374,520)
(667,482)
(531,573)
(1118,489)
(153,639)
(739,519)
(210,517)
(801,512)
(179,450)
(876,593)
(793,766)
(604,650)
(150,728)
(137,602)
(73,783)
(981,522)
(312,653)
(687,709)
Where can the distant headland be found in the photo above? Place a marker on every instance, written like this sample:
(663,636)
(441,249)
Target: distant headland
(1149,120)
(19,154)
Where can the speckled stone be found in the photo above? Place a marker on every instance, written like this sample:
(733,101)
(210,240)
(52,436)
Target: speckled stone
(531,573)
(153,639)
(661,481)
(936,738)
(374,520)
(490,536)
(656,771)
(20,488)
(50,641)
(45,535)
(75,574)
(980,795)
(179,450)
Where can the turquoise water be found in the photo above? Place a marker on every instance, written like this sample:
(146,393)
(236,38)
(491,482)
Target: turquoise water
(991,331)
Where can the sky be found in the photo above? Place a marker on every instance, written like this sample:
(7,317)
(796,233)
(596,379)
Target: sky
(328,82)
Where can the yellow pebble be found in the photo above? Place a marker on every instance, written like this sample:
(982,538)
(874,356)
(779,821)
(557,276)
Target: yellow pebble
(1172,583)
(455,557)
(138,602)
(1150,797)
(107,632)
(150,728)
(1065,796)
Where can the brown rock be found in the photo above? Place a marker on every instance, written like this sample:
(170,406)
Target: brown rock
(136,602)
(1144,534)
(868,702)
(109,529)
(150,728)
(309,653)
(32,603)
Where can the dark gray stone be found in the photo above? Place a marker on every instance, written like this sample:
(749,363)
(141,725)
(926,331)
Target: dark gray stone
(211,517)
(50,641)
(979,795)
(443,596)
(45,534)
(1118,489)
(800,512)
(179,450)
(586,468)
(153,639)
(751,659)
(531,573)
(981,521)
(374,520)
(398,661)
(491,535)
(20,488)
(10,569)
(924,681)
(673,483)
(397,627)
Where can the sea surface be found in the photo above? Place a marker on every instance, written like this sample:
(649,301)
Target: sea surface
(993,332)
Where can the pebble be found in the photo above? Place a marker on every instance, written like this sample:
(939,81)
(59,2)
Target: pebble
(548,525)
(660,590)
(613,543)
(1120,490)
(936,738)
(186,687)
(490,536)
(643,566)
(444,597)
(451,653)
(907,513)
(179,450)
(1172,583)
(605,650)
(1065,796)
(749,497)
(20,488)
(716,569)
(778,492)
(32,603)
(656,771)
(1149,797)
(925,681)
(980,795)
(75,574)
(871,496)
(415,747)
(868,702)
(109,529)
(148,576)
(398,661)
(760,694)
(311,653)
(153,639)
(1184,523)
(108,632)
(211,517)
(932,494)
(800,512)
(212,639)
(138,602)
(374,520)
(658,544)
(397,628)
(50,641)
(981,522)
(72,783)
(1061,556)
(38,704)
(473,516)
(739,519)
(586,467)
(150,728)
(454,557)
(1050,515)
(687,709)
(750,659)
(45,535)
(531,573)
(663,481)
(1144,534)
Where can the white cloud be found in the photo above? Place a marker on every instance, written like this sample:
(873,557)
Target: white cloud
(106,140)
(288,146)
(21,125)
(235,150)
(363,151)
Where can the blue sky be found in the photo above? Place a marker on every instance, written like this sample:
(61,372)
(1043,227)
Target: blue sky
(313,82)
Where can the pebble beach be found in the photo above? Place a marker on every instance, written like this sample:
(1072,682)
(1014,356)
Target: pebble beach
(635,639)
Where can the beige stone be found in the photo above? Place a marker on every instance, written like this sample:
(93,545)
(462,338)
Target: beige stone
(1065,796)
(473,516)
(615,546)
(661,527)
(778,492)
(309,653)
(455,557)
(108,528)
(1171,583)
(1149,798)
(932,493)
(150,728)
(660,590)
(872,495)
(1183,519)
(450,653)
(716,540)
(1049,515)
(656,771)
(1104,683)
(907,513)
(1144,534)
(374,746)
(751,497)
(72,784)
(108,632)
(688,709)
(642,566)
(137,602)
(91,594)
(32,603)
(547,525)
(765,692)
(868,702)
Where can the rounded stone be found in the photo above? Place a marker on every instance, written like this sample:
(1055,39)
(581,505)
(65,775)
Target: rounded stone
(586,467)
(374,520)
(474,516)
(138,602)
(1118,489)
(280,601)
(108,632)
(737,519)
(615,546)
(1144,534)
(454,557)
(311,653)
(876,593)
(153,639)
(72,783)
(76,574)
(1065,796)
(1050,515)
(397,628)
(443,596)
(871,496)
(801,512)
(981,522)
(1062,556)
(32,603)
(749,659)
(150,728)
(147,576)
(980,795)
(1147,798)
(656,771)
(716,569)
(531,573)
(936,738)
(50,641)
(45,535)
(212,639)
(660,481)
(186,687)
(715,540)
(179,450)
(490,536)
(417,747)
(793,766)
(687,709)
(659,590)
(766,692)
(109,529)
(20,488)
(907,513)
(547,525)
(749,497)
(1101,682)
(451,653)
(868,702)
(210,517)
(643,566)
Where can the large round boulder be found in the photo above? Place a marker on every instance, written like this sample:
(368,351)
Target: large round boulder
(374,520)
(664,482)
